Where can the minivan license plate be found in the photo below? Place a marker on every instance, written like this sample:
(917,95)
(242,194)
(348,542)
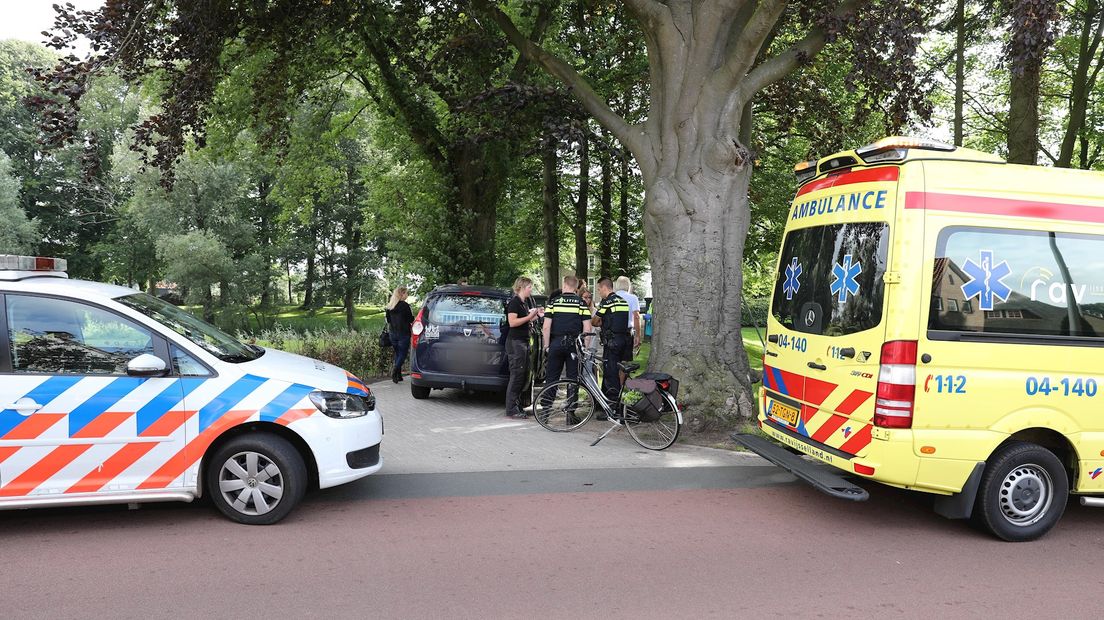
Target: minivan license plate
(784,413)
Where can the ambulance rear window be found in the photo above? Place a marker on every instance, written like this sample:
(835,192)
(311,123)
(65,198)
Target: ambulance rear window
(829,278)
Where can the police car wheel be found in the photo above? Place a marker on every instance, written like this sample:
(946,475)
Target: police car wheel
(256,479)
(1023,492)
(419,391)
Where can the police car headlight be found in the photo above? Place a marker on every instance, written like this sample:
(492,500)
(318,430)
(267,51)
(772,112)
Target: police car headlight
(342,405)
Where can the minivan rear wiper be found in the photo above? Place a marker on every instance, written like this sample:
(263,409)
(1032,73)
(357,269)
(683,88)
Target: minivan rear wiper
(482,322)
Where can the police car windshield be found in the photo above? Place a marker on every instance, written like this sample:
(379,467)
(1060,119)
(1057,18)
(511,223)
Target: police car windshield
(214,341)
(830,278)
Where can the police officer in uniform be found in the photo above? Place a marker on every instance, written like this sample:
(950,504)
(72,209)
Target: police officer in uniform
(564,319)
(613,316)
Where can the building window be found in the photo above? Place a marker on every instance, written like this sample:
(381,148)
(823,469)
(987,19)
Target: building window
(938,303)
(952,305)
(968,306)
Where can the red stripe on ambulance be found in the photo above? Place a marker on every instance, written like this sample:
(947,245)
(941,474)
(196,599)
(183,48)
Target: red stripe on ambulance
(869,175)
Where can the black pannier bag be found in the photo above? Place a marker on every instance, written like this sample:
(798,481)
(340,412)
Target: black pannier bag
(650,406)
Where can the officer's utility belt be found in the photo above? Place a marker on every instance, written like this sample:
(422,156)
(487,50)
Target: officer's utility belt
(607,335)
(565,339)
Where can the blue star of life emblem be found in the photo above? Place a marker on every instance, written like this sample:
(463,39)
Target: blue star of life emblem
(792,284)
(846,278)
(985,280)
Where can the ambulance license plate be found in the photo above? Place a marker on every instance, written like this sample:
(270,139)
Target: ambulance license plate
(784,413)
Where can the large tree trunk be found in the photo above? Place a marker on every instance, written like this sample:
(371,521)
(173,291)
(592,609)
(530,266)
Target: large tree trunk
(696,221)
(1031,37)
(478,171)
(551,217)
(1023,119)
(623,218)
(605,252)
(580,228)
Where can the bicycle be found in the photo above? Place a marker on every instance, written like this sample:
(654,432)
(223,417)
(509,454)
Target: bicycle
(566,405)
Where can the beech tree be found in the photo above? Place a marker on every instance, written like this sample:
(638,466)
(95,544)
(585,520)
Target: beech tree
(707,61)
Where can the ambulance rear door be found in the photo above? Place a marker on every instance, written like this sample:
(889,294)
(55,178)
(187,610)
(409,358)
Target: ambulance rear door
(827,326)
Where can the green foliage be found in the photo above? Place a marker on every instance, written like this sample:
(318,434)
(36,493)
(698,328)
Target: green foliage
(356,351)
(754,312)
(18,234)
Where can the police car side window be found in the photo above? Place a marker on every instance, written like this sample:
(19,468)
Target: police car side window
(58,336)
(1018,282)
(185,365)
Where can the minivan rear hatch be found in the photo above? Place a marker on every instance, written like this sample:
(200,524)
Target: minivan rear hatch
(463,335)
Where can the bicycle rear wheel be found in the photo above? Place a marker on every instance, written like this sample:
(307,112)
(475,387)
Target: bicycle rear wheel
(563,406)
(657,435)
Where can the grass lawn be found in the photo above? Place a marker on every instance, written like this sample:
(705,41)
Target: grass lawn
(752,345)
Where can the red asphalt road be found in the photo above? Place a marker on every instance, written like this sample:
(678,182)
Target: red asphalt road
(783,551)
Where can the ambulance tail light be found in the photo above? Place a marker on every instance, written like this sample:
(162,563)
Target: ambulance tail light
(417,328)
(893,403)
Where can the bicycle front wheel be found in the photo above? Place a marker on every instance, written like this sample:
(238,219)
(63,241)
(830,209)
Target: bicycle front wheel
(563,406)
(660,434)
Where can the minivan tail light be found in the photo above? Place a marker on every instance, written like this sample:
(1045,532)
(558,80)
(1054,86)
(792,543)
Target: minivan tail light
(417,328)
(896,395)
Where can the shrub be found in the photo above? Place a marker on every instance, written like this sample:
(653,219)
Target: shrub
(754,312)
(355,351)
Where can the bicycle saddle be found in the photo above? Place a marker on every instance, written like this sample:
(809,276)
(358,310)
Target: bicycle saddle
(628,366)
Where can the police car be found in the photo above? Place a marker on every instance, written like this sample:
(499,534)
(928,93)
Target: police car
(110,395)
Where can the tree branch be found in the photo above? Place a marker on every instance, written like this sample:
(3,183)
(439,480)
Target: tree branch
(632,138)
(540,27)
(755,32)
(779,66)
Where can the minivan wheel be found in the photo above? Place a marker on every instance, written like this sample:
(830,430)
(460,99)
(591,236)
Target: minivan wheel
(1023,492)
(419,391)
(256,479)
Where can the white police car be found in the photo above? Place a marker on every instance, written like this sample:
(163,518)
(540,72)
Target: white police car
(109,395)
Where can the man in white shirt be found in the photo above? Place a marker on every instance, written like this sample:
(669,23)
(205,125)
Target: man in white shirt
(623,288)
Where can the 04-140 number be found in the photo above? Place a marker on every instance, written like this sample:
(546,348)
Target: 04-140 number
(1065,387)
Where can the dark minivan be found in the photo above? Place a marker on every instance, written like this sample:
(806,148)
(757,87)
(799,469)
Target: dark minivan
(458,340)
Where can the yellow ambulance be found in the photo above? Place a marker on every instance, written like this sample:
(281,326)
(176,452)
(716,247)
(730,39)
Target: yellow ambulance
(937,324)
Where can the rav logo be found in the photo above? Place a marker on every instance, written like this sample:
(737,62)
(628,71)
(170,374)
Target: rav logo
(1096,472)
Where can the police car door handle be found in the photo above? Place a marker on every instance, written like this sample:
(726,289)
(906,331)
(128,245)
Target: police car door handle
(25,406)
(816,366)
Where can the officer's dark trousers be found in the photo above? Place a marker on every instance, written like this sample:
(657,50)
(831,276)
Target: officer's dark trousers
(517,351)
(614,352)
(560,354)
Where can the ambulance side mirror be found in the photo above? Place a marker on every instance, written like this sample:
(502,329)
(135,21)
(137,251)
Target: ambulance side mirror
(146,365)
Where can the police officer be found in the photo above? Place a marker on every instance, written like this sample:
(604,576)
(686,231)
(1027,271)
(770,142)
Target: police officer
(613,316)
(564,319)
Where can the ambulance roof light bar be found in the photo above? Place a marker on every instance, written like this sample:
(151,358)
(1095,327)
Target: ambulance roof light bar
(895,148)
(31,263)
(805,170)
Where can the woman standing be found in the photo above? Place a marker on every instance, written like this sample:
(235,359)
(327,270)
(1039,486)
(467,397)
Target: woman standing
(399,319)
(518,315)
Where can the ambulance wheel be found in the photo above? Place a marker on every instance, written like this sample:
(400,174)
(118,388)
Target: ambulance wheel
(256,479)
(419,392)
(1023,492)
